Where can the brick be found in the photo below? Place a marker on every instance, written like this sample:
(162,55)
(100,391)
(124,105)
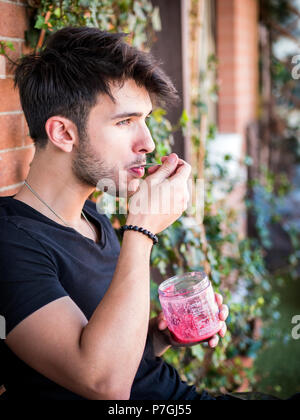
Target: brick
(225,7)
(2,67)
(9,96)
(11,129)
(14,166)
(228,127)
(237,50)
(13,20)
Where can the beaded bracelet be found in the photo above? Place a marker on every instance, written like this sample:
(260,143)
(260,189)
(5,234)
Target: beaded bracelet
(142,230)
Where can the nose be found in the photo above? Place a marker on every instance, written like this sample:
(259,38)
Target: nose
(144,142)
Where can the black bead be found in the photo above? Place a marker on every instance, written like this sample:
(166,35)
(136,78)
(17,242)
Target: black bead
(142,230)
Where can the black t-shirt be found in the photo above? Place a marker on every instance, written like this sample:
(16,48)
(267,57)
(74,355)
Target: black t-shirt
(41,261)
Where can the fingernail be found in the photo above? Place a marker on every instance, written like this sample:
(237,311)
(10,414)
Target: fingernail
(172,158)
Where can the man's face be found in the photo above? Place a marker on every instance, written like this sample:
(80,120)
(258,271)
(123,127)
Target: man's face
(117,139)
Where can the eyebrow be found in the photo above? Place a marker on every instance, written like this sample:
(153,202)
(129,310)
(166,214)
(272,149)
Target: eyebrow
(129,114)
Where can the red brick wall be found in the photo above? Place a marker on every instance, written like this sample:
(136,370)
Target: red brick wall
(237,50)
(16,148)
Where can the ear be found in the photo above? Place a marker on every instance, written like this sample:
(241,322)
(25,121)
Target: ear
(62,133)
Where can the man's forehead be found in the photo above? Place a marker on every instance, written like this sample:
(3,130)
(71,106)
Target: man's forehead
(129,91)
(128,98)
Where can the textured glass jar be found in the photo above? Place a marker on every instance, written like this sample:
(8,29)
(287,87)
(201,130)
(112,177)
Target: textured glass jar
(190,308)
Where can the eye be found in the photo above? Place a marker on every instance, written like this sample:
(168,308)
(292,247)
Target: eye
(124,122)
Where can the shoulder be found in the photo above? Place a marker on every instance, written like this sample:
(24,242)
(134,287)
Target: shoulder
(11,227)
(14,227)
(18,244)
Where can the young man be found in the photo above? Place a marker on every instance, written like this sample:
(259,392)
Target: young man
(76,305)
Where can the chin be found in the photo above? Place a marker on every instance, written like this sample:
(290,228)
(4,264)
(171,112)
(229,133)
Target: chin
(123,190)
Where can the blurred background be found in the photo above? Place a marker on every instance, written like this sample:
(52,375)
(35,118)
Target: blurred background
(236,66)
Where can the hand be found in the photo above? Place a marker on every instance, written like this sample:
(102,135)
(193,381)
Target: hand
(153,169)
(162,197)
(162,338)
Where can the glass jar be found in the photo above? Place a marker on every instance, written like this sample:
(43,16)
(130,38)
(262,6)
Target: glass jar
(190,308)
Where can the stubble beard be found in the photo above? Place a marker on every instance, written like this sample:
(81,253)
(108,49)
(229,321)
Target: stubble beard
(89,170)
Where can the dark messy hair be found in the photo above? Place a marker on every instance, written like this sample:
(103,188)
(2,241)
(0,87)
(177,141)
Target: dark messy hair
(76,65)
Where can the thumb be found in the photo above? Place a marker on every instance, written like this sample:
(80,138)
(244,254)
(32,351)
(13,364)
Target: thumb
(166,169)
(162,325)
(161,321)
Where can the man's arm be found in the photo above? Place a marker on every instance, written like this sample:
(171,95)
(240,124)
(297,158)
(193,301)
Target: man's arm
(99,359)
(96,359)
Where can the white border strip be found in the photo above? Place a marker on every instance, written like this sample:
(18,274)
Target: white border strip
(16,148)
(10,187)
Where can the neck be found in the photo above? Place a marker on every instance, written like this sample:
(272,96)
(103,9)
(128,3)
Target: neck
(57,186)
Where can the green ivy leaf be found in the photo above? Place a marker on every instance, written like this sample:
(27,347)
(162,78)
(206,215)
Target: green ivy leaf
(40,23)
(57,12)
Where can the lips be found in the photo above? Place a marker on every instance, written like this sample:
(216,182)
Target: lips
(138,172)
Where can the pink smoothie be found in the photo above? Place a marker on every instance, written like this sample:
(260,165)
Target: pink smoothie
(196,340)
(192,319)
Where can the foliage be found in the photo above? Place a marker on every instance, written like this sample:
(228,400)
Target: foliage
(137,18)
(281,18)
(238,270)
(237,264)
(4,47)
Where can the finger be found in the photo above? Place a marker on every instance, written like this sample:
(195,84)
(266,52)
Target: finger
(223,330)
(153,169)
(219,299)
(179,164)
(213,342)
(166,169)
(161,321)
(183,172)
(161,315)
(180,161)
(224,312)
(162,325)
